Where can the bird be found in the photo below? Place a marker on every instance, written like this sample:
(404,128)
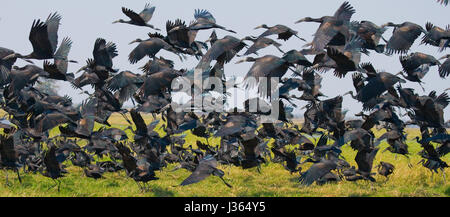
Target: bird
(58,70)
(417,65)
(283,32)
(206,167)
(52,167)
(140,19)
(149,47)
(385,169)
(436,36)
(260,43)
(444,68)
(370,33)
(403,36)
(205,20)
(9,155)
(333,30)
(317,171)
(44,38)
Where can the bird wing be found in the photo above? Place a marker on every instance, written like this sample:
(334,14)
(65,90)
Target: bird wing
(49,121)
(364,159)
(341,60)
(50,160)
(62,54)
(104,52)
(52,23)
(7,151)
(141,127)
(403,38)
(39,38)
(201,14)
(444,69)
(148,47)
(323,35)
(316,171)
(147,13)
(202,171)
(344,12)
(133,16)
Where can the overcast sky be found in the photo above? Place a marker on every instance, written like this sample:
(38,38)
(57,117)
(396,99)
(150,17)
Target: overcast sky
(85,21)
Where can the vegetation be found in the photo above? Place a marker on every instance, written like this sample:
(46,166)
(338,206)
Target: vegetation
(273,181)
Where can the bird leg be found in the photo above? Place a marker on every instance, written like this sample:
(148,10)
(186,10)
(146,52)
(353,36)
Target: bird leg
(59,184)
(7,182)
(56,183)
(225,182)
(140,187)
(18,175)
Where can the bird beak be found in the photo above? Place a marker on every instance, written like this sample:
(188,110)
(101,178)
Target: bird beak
(299,21)
(115,21)
(11,56)
(241,61)
(28,61)
(259,27)
(133,42)
(444,57)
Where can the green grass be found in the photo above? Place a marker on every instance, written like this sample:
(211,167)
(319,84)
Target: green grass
(273,181)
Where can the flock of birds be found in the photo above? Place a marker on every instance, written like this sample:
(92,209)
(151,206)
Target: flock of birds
(338,45)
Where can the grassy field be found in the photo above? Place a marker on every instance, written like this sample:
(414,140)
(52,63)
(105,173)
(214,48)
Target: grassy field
(273,181)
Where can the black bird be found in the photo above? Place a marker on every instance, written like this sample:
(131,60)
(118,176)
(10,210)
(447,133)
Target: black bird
(9,155)
(260,43)
(58,70)
(317,171)
(333,30)
(149,47)
(385,169)
(403,37)
(437,36)
(52,166)
(44,38)
(205,20)
(125,84)
(206,167)
(140,19)
(283,32)
(444,69)
(416,65)
(370,33)
(93,171)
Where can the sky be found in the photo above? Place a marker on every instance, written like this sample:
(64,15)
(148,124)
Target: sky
(85,21)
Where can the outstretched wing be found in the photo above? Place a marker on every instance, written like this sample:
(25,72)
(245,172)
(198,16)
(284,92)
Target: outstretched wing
(147,13)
